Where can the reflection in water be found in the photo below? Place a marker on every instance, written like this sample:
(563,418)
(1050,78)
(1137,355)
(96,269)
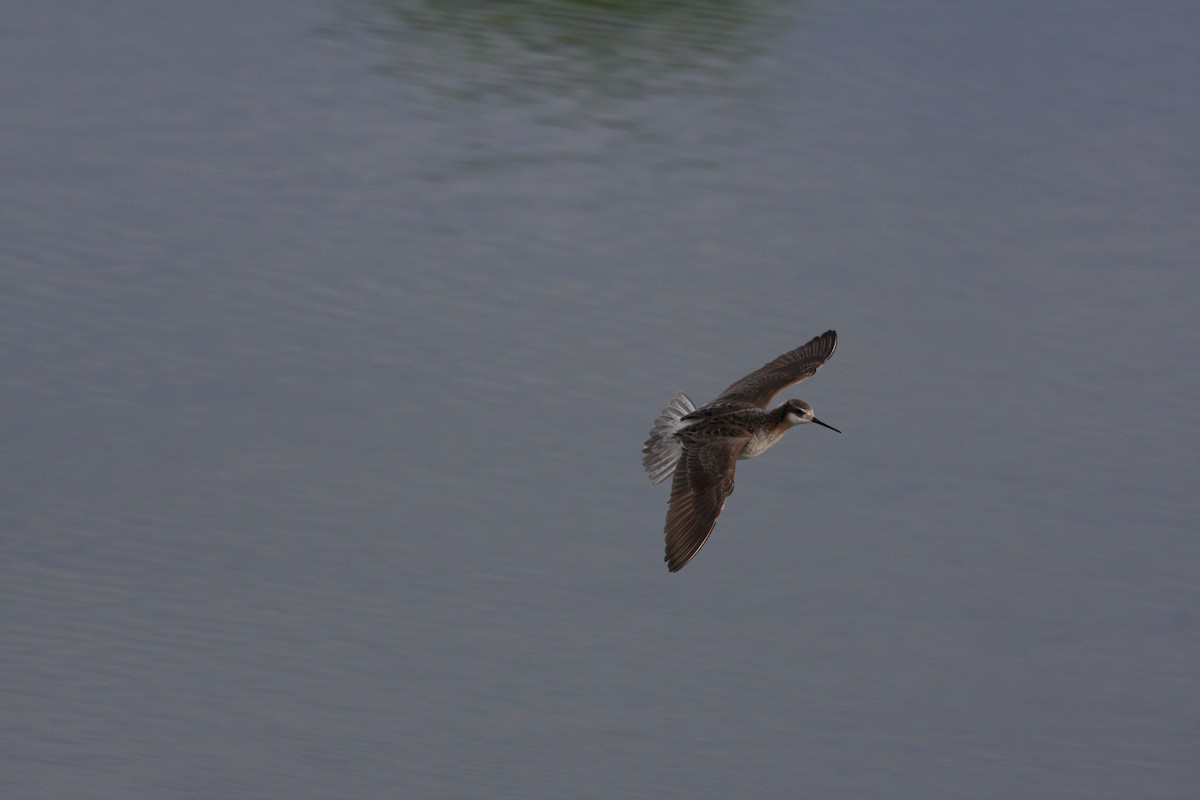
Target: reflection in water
(588,50)
(508,85)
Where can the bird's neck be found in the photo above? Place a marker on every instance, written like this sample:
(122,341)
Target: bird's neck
(779,417)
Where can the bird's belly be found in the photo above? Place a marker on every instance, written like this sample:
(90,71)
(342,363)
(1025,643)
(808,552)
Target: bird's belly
(756,447)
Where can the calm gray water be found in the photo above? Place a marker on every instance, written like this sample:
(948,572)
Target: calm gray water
(332,331)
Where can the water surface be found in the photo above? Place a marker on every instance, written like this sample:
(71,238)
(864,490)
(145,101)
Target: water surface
(333,331)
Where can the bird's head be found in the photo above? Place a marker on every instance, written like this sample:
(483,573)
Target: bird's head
(797,412)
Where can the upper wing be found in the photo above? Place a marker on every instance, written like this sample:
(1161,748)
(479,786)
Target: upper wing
(772,378)
(703,481)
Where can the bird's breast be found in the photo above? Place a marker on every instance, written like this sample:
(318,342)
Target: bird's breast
(759,444)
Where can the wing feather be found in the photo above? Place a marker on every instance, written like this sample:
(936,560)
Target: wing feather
(703,482)
(773,377)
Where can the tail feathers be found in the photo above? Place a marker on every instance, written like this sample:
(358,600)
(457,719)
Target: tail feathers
(662,450)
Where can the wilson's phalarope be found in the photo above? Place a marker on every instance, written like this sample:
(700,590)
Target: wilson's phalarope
(701,446)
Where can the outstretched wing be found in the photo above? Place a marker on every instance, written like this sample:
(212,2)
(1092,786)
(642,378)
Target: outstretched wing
(703,481)
(772,378)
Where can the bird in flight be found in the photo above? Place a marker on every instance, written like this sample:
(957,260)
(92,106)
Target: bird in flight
(702,445)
